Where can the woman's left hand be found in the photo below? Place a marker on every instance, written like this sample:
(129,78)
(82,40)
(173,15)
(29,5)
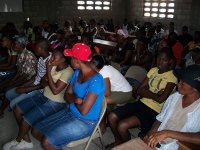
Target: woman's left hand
(157,137)
(78,101)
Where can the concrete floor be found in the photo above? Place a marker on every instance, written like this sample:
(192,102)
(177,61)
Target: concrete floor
(9,129)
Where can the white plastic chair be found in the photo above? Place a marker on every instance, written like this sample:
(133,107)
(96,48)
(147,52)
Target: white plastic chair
(115,65)
(95,134)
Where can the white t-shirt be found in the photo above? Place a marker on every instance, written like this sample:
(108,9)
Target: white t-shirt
(117,80)
(192,123)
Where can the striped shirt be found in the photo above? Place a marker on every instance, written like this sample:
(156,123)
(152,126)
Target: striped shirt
(41,69)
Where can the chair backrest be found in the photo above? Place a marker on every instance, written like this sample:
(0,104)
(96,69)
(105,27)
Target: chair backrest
(136,72)
(115,65)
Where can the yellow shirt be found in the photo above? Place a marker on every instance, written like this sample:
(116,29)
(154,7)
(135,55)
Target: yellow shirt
(158,82)
(62,75)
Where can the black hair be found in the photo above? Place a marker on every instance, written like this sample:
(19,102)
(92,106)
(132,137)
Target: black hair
(60,31)
(98,61)
(9,37)
(168,52)
(173,34)
(73,38)
(89,37)
(185,28)
(67,59)
(43,44)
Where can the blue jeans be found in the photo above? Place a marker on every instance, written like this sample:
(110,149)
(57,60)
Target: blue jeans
(64,127)
(38,107)
(15,97)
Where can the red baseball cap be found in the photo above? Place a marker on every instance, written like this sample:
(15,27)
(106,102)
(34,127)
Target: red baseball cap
(79,51)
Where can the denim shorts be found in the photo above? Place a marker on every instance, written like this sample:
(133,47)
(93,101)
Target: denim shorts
(16,98)
(64,127)
(38,107)
(145,114)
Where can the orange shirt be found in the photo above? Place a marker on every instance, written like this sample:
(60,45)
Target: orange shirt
(177,51)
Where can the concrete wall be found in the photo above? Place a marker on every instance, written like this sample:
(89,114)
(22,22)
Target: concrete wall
(60,10)
(36,10)
(186,13)
(67,9)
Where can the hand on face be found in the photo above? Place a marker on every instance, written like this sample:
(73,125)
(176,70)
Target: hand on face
(49,65)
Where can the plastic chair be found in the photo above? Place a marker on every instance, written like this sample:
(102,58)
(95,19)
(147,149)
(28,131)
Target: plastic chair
(95,134)
(115,65)
(136,72)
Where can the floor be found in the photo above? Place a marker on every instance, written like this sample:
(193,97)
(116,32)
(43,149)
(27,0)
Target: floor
(8,131)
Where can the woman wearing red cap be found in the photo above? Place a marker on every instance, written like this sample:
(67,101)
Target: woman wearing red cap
(85,94)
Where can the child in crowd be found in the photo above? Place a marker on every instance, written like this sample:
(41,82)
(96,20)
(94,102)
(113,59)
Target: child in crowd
(8,68)
(123,51)
(88,40)
(118,90)
(155,89)
(26,68)
(85,94)
(179,118)
(38,107)
(30,88)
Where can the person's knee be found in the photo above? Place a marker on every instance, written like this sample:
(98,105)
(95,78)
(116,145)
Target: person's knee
(123,127)
(10,94)
(112,117)
(16,111)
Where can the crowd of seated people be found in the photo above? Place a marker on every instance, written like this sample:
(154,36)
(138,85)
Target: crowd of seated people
(48,72)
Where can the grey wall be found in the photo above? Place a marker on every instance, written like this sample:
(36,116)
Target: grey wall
(67,9)
(59,11)
(186,13)
(36,10)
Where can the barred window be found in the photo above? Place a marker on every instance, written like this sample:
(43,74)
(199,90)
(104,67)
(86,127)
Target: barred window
(94,5)
(159,8)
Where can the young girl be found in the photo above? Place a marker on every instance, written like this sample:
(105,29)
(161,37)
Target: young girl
(85,94)
(118,90)
(155,89)
(177,126)
(36,108)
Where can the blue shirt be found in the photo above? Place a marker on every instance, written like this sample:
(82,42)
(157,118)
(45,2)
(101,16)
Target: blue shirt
(93,85)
